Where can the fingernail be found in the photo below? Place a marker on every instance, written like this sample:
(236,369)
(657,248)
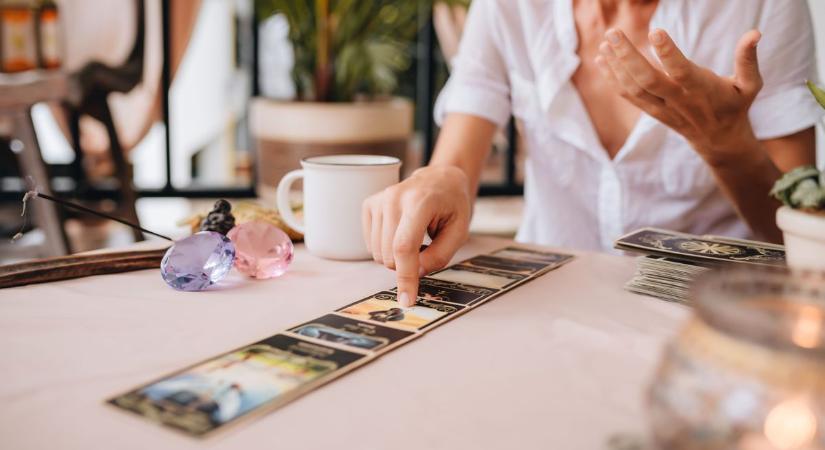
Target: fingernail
(613,37)
(404,299)
(657,37)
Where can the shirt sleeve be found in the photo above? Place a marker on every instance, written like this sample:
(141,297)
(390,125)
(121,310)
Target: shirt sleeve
(787,58)
(478,84)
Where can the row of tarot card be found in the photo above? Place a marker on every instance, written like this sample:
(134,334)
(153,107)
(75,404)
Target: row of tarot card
(267,374)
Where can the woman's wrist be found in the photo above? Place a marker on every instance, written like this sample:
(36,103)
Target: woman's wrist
(740,149)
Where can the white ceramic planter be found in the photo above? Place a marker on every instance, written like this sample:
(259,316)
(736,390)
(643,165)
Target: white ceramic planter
(804,238)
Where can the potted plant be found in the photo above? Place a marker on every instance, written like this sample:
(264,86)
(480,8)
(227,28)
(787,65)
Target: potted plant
(802,218)
(348,55)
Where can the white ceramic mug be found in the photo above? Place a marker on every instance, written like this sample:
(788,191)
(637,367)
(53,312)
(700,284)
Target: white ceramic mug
(334,189)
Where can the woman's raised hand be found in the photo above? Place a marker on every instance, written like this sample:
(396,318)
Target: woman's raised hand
(435,200)
(709,110)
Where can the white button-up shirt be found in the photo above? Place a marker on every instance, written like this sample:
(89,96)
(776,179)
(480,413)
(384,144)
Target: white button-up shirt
(518,56)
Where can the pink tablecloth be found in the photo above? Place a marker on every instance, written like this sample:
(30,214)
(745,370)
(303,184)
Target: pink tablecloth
(559,363)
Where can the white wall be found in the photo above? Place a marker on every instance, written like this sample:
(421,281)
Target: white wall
(818,14)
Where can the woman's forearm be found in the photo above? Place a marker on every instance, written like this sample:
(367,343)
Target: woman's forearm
(747,181)
(465,142)
(747,175)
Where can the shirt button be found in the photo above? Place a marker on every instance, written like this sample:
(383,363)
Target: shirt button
(609,206)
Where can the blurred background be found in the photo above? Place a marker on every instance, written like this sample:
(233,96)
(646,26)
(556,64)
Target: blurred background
(151,109)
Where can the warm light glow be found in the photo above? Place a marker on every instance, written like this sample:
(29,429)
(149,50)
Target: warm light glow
(807,331)
(791,425)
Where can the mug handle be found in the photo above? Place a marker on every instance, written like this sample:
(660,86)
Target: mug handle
(284,207)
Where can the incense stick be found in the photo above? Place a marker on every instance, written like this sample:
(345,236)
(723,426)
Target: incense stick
(34,193)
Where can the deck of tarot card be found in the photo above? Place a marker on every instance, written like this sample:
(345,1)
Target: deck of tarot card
(673,260)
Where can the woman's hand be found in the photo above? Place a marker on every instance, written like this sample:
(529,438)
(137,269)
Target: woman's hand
(709,110)
(434,200)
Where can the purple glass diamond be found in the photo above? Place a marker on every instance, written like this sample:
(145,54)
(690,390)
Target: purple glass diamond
(198,261)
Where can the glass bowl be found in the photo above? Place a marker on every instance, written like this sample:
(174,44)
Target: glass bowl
(748,369)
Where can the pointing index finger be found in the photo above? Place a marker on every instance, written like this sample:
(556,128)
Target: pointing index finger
(406,246)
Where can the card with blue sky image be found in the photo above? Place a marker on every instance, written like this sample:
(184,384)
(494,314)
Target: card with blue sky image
(356,334)
(214,393)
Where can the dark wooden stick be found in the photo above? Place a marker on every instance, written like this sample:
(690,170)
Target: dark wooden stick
(78,266)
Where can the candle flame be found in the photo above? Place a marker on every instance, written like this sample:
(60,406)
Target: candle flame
(807,332)
(791,425)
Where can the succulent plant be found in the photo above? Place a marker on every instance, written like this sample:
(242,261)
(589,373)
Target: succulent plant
(801,188)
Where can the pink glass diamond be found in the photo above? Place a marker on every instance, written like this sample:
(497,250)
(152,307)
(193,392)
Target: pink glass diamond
(262,250)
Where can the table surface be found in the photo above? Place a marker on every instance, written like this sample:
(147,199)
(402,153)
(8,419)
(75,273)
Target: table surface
(561,362)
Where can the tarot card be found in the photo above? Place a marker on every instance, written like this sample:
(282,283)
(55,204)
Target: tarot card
(211,394)
(521,266)
(690,247)
(449,292)
(476,276)
(532,255)
(349,332)
(384,308)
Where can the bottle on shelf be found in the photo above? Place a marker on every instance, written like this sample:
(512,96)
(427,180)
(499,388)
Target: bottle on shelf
(49,35)
(18,41)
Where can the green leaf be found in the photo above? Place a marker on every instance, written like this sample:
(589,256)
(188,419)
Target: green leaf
(372,43)
(802,187)
(784,188)
(790,179)
(819,94)
(808,194)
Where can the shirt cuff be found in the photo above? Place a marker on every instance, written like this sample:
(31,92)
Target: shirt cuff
(474,98)
(785,112)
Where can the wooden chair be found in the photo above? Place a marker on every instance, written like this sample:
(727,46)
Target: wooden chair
(95,82)
(18,93)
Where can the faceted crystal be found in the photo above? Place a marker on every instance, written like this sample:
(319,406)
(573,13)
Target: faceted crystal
(198,261)
(263,250)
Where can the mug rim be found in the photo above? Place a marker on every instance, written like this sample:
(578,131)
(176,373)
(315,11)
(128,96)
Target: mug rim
(342,160)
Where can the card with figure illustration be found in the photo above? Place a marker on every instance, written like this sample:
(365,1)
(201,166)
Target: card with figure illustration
(211,394)
(551,258)
(698,248)
(476,276)
(384,308)
(449,292)
(351,333)
(520,266)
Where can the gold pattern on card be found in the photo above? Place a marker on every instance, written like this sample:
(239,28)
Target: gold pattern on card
(709,248)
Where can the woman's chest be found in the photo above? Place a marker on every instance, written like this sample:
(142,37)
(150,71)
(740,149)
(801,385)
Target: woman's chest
(612,116)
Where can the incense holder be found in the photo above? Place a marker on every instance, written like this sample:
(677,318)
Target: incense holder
(263,251)
(198,261)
